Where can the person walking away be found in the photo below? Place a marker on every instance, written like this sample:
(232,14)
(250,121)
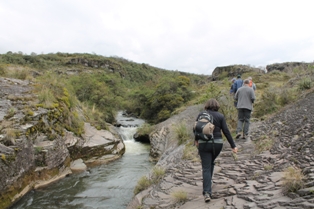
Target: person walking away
(236,85)
(209,150)
(231,88)
(245,98)
(252,84)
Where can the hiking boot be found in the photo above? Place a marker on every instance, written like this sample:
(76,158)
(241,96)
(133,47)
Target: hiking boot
(245,136)
(207,197)
(238,136)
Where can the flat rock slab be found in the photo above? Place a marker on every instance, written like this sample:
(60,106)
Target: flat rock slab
(96,137)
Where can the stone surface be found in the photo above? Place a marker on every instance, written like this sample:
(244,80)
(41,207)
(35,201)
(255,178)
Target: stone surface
(78,165)
(252,180)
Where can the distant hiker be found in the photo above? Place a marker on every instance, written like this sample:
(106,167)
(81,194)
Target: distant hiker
(252,84)
(209,150)
(245,98)
(231,88)
(236,85)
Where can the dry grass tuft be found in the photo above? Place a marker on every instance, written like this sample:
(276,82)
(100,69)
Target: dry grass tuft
(293,180)
(179,196)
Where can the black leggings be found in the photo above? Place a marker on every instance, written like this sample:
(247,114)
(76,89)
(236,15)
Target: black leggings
(208,153)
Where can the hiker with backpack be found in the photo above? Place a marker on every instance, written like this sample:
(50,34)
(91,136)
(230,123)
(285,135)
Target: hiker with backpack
(210,146)
(236,85)
(245,98)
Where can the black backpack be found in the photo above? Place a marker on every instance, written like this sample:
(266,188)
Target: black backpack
(204,127)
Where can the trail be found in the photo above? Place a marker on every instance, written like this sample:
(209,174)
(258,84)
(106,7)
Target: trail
(253,179)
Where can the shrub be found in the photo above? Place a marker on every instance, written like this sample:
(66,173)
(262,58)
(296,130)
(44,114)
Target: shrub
(268,167)
(267,104)
(11,112)
(213,91)
(293,180)
(2,71)
(157,174)
(145,129)
(46,98)
(142,184)
(305,83)
(190,152)
(38,150)
(179,196)
(286,96)
(183,134)
(3,157)
(264,143)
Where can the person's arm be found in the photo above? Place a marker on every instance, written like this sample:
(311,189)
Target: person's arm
(226,132)
(252,96)
(236,96)
(234,87)
(195,139)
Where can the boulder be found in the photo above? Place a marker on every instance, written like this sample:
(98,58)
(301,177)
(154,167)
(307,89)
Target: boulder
(287,66)
(232,71)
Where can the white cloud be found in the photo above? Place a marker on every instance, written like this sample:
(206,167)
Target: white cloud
(192,36)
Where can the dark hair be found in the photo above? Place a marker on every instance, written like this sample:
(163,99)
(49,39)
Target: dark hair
(212,104)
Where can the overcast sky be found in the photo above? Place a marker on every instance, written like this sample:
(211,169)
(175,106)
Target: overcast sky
(191,36)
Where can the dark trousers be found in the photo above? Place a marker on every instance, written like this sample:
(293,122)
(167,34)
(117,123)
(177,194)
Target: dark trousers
(244,116)
(208,153)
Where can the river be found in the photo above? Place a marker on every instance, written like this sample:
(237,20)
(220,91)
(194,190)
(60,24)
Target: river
(106,186)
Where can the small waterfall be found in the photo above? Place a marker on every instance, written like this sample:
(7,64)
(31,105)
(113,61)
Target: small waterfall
(106,186)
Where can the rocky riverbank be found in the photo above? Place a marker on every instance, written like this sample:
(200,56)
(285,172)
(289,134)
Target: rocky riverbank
(252,178)
(33,154)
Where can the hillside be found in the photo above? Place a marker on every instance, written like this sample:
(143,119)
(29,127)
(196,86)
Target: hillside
(107,84)
(273,168)
(53,106)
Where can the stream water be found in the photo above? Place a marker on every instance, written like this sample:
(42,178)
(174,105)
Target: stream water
(107,186)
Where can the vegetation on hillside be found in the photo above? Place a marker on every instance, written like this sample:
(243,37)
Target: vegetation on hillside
(104,85)
(100,86)
(84,87)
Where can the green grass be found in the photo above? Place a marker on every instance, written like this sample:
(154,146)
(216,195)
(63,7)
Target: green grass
(142,184)
(190,152)
(264,143)
(157,174)
(183,134)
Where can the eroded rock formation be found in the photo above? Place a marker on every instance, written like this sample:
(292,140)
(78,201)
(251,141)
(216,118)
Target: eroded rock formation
(287,66)
(30,157)
(232,71)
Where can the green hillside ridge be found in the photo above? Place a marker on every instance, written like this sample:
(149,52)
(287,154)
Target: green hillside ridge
(78,88)
(108,84)
(103,85)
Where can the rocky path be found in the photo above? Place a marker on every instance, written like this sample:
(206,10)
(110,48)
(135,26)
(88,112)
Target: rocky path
(251,180)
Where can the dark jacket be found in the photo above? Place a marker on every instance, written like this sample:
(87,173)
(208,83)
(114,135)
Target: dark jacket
(220,125)
(237,84)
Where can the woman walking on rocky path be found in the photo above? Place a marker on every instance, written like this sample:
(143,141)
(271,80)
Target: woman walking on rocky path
(209,150)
